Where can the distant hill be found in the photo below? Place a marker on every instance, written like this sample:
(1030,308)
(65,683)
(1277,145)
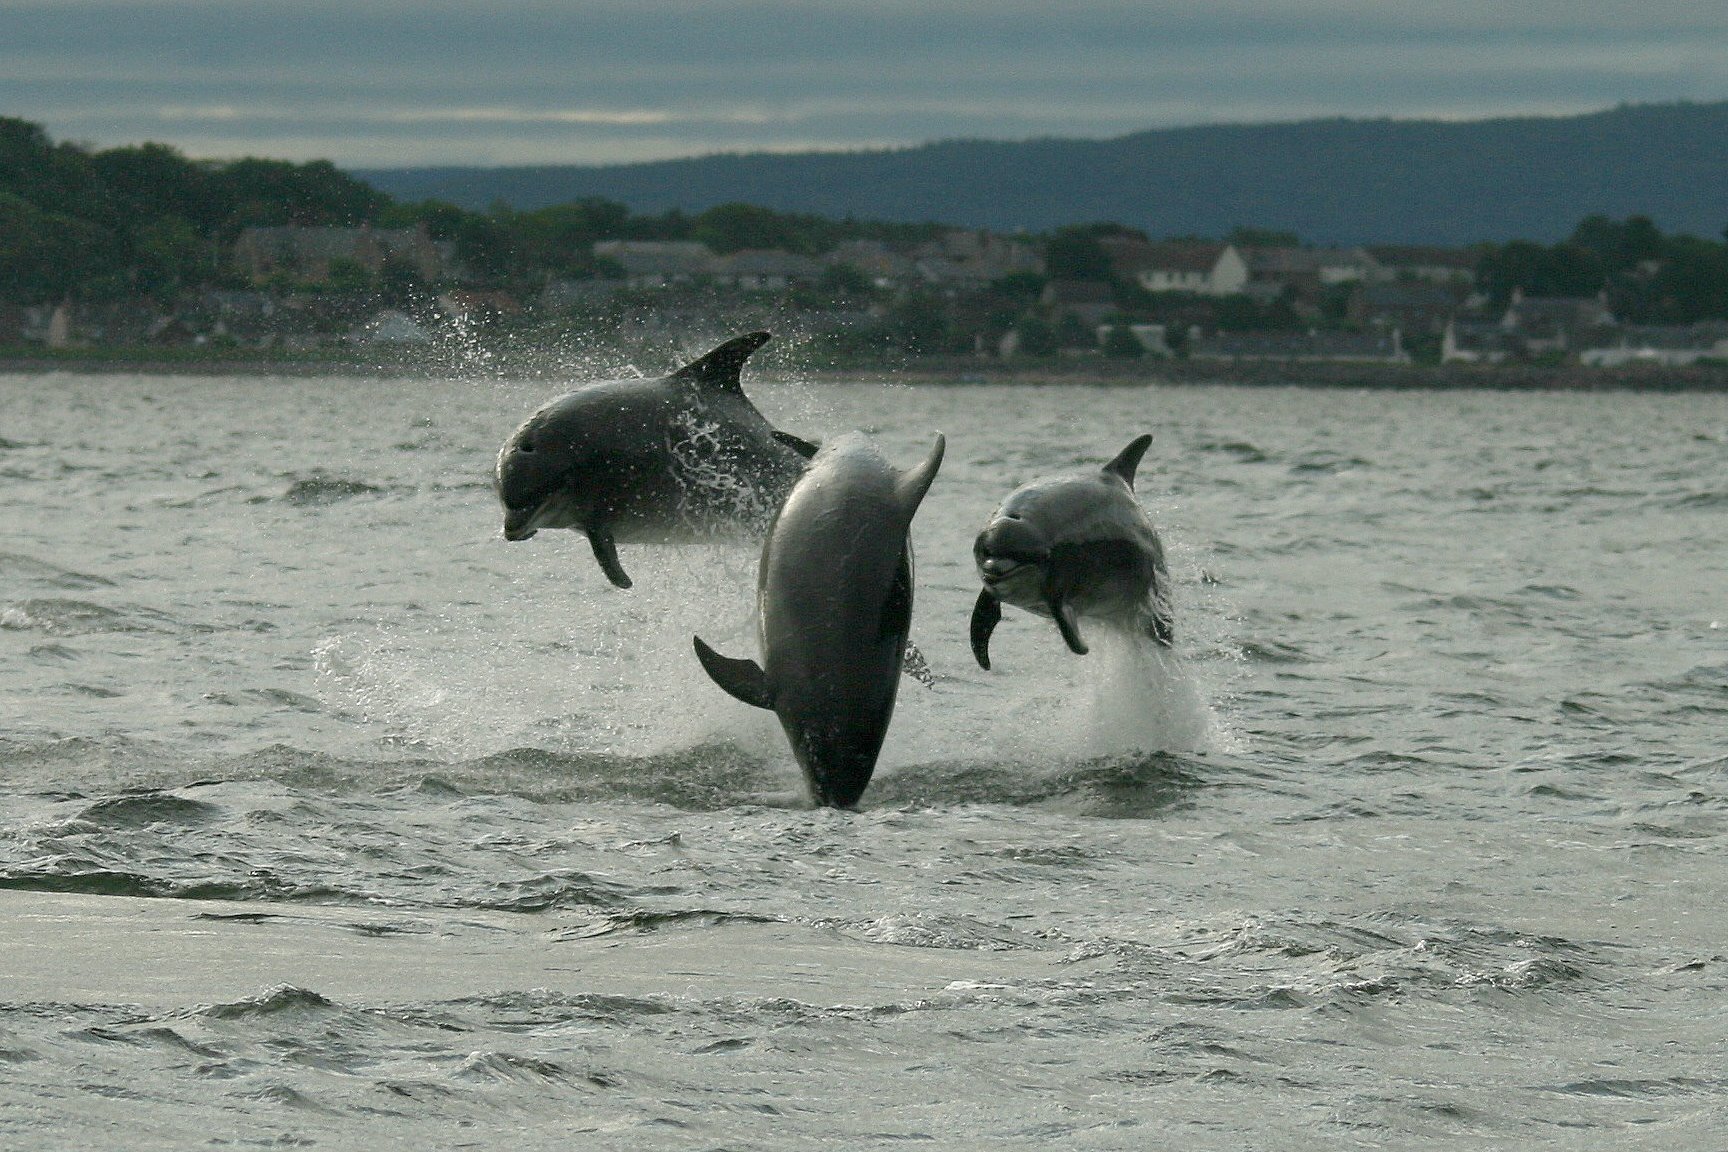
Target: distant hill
(1340,180)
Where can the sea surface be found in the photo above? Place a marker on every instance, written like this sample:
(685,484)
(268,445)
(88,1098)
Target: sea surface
(329,819)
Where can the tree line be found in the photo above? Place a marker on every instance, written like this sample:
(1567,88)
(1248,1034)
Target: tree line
(95,224)
(144,220)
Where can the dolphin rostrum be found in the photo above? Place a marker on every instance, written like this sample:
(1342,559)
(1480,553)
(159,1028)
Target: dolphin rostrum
(678,459)
(1073,546)
(834,593)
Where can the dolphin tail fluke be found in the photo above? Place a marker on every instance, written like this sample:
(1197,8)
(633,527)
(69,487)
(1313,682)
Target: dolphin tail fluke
(742,679)
(721,367)
(912,485)
(986,614)
(1127,461)
(606,553)
(1069,623)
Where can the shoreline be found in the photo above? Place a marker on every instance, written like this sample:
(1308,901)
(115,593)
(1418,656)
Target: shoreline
(964,371)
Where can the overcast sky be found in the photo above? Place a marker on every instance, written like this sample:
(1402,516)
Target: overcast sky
(379,83)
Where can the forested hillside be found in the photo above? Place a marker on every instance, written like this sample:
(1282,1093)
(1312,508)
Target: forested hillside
(1330,181)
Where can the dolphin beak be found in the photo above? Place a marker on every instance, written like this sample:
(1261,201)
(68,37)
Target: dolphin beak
(997,568)
(518,524)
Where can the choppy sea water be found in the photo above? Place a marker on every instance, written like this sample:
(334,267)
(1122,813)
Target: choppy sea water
(327,818)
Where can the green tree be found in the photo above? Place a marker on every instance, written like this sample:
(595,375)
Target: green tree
(153,180)
(1244,237)
(48,256)
(1618,247)
(1076,254)
(1037,337)
(1562,270)
(844,280)
(917,322)
(560,239)
(169,254)
(1692,283)
(1120,343)
(1021,288)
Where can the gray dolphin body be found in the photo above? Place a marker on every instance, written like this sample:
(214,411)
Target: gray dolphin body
(834,594)
(675,460)
(1071,546)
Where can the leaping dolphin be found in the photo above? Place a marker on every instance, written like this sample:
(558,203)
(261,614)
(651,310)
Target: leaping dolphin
(834,593)
(679,459)
(1072,546)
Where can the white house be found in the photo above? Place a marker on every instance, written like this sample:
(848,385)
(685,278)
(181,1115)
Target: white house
(657,263)
(1669,346)
(1203,269)
(1303,347)
(1476,342)
(1152,337)
(765,269)
(1450,266)
(390,326)
(1272,270)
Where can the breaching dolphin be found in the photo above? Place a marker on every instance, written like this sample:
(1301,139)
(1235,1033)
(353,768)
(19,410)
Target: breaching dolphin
(834,598)
(674,460)
(1073,546)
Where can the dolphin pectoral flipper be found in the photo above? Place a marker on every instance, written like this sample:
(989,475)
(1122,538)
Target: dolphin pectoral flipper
(797,443)
(1069,623)
(986,614)
(742,679)
(606,552)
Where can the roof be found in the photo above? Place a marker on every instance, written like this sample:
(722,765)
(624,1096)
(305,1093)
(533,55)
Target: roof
(767,262)
(1296,261)
(1130,257)
(1073,292)
(1405,294)
(1321,344)
(1423,256)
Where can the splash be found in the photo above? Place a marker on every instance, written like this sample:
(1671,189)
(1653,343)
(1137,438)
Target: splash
(1141,696)
(559,663)
(709,480)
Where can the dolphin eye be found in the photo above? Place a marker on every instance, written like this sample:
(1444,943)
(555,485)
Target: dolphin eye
(525,446)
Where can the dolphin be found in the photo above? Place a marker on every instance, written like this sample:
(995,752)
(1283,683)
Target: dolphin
(1071,546)
(679,459)
(834,593)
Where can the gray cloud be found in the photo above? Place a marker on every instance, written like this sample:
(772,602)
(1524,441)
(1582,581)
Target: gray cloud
(527,81)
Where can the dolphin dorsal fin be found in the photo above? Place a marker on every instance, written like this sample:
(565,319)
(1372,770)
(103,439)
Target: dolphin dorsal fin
(720,368)
(912,485)
(1128,460)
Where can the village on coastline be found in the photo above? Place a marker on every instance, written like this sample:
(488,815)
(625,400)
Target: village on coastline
(1384,304)
(273,261)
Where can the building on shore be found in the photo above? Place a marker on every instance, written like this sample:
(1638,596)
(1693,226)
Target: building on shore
(1315,345)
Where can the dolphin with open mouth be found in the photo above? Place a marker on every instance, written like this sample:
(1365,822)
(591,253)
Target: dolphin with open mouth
(1070,547)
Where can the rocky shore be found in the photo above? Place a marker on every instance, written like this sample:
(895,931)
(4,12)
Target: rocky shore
(946,370)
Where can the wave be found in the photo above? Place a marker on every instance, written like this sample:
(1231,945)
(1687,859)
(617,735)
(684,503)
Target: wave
(66,617)
(14,566)
(706,778)
(319,489)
